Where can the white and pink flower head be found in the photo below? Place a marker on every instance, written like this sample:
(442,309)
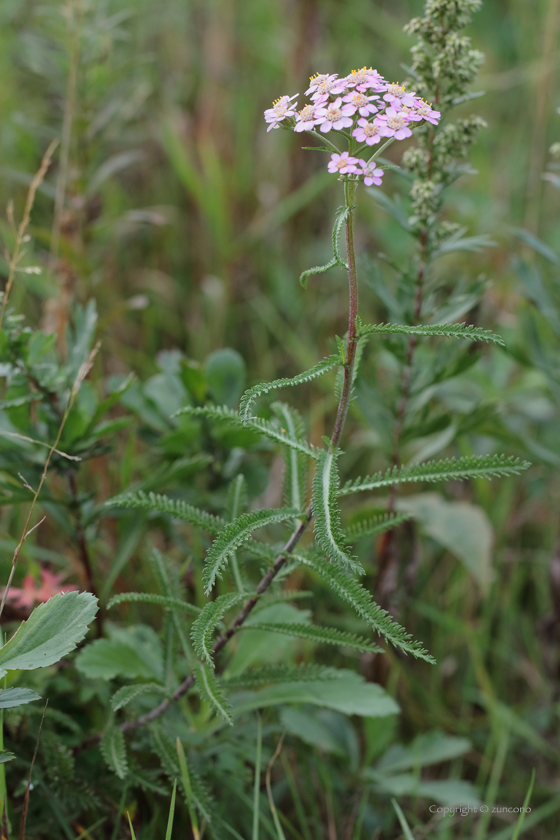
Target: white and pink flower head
(282,109)
(367,132)
(371,174)
(306,119)
(322,86)
(426,112)
(344,164)
(364,79)
(397,94)
(359,102)
(393,123)
(332,117)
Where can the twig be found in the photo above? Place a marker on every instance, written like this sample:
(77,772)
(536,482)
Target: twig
(23,225)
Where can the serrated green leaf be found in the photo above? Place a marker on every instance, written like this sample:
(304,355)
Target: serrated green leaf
(113,750)
(11,697)
(260,425)
(233,535)
(314,633)
(281,674)
(446,330)
(174,507)
(208,620)
(134,652)
(52,630)
(326,513)
(375,525)
(153,598)
(317,269)
(6,756)
(295,480)
(128,693)
(210,690)
(249,397)
(483,466)
(351,591)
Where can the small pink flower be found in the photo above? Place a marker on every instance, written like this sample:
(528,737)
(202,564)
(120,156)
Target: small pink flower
(332,117)
(364,79)
(281,110)
(393,123)
(370,173)
(343,164)
(425,112)
(306,119)
(397,93)
(358,102)
(367,132)
(322,87)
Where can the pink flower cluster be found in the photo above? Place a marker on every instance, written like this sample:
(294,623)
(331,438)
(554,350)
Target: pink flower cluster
(362,106)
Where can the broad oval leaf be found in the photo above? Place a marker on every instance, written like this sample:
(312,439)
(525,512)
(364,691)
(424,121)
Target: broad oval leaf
(12,697)
(52,630)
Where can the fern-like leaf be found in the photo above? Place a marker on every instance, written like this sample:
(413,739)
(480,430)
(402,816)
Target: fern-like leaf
(337,260)
(375,525)
(113,750)
(128,693)
(233,535)
(166,751)
(447,330)
(153,598)
(295,480)
(280,674)
(251,395)
(317,269)
(260,425)
(351,591)
(211,691)
(476,466)
(328,530)
(174,507)
(208,620)
(314,633)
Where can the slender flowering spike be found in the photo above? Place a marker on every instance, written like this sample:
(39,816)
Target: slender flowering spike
(343,164)
(397,93)
(281,109)
(393,123)
(332,117)
(360,103)
(306,119)
(367,132)
(371,174)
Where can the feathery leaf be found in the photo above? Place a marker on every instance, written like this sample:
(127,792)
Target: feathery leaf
(128,693)
(210,690)
(233,535)
(280,674)
(113,750)
(174,507)
(153,598)
(208,620)
(256,391)
(261,426)
(351,591)
(475,466)
(295,479)
(447,330)
(328,530)
(314,633)
(375,525)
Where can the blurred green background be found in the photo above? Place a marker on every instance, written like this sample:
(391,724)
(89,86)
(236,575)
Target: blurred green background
(189,225)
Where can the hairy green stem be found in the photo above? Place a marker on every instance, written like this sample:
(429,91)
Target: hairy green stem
(282,558)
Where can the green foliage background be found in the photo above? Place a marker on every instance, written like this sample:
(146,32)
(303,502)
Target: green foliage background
(189,226)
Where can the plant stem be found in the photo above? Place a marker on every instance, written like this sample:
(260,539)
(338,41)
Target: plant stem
(282,558)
